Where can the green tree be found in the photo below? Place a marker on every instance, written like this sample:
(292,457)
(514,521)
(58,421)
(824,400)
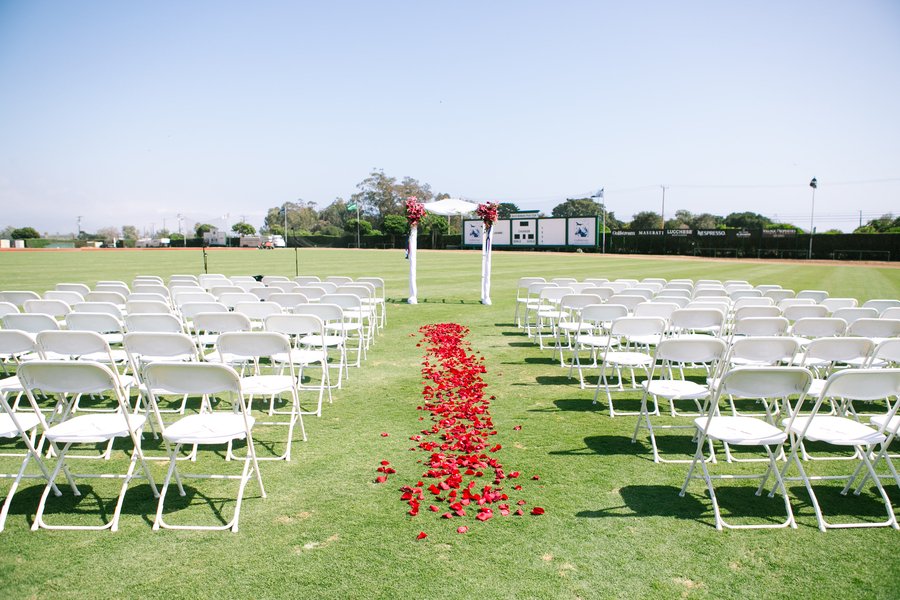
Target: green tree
(302,217)
(504,209)
(201,228)
(129,232)
(645,220)
(365,228)
(243,228)
(335,214)
(108,234)
(395,225)
(578,207)
(747,220)
(883,224)
(24,233)
(380,195)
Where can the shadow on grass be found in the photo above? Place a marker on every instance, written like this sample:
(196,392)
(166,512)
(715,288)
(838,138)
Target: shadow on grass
(519,345)
(867,507)
(605,445)
(540,360)
(650,501)
(555,380)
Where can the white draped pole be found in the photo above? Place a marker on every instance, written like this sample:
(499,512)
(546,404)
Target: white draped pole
(413,242)
(487,235)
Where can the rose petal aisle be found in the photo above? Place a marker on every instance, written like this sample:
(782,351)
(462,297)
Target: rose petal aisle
(460,453)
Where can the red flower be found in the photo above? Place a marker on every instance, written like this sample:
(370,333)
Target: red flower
(415,211)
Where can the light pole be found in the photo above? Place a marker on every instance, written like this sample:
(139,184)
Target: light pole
(663,211)
(183,237)
(598,198)
(812,214)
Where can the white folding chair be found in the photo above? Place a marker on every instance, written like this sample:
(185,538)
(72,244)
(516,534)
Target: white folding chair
(304,279)
(772,382)
(18,297)
(697,321)
(265,377)
(379,297)
(843,432)
(522,295)
(674,356)
(850,315)
(297,328)
(593,334)
(153,322)
(882,304)
(288,301)
(877,330)
(229,423)
(833,304)
(354,326)
(624,357)
(208,326)
(333,338)
(69,297)
(257,311)
(64,378)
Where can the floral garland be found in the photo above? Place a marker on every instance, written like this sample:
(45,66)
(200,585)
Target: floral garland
(458,441)
(488,213)
(415,211)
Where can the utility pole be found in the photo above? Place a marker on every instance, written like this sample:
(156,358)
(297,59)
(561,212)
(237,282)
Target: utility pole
(663,211)
(78,226)
(812,214)
(598,198)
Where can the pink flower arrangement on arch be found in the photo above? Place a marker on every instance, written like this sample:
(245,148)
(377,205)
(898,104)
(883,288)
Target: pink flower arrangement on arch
(488,213)
(415,211)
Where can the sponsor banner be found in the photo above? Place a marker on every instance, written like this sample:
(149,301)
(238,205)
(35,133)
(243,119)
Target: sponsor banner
(779,233)
(582,231)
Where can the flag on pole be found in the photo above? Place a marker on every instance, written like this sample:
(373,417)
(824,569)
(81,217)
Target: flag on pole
(352,206)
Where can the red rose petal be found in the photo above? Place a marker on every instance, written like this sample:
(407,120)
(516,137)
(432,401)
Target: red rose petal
(385,434)
(521,502)
(520,512)
(535,477)
(517,428)
(380,479)
(462,529)
(385,463)
(537,510)
(422,535)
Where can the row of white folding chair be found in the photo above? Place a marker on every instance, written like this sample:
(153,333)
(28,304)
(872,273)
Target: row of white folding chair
(867,443)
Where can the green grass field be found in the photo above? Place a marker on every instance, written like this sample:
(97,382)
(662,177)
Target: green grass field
(614,525)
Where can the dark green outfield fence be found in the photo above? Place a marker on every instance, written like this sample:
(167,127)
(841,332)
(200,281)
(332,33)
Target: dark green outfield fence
(727,243)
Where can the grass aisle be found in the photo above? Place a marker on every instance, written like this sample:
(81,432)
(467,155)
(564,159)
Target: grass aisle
(614,524)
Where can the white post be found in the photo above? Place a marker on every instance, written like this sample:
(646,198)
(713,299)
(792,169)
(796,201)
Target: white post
(487,235)
(413,242)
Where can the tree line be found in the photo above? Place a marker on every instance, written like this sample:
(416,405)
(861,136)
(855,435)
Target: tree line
(377,208)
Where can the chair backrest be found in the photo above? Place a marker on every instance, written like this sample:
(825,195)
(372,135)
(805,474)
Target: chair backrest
(763,350)
(264,293)
(832,304)
(765,287)
(158,345)
(248,286)
(147,297)
(642,292)
(219,290)
(779,294)
(312,293)
(816,295)
(269,279)
(744,293)
(8,308)
(857,384)
(329,313)
(815,327)
(891,313)
(285,286)
(553,295)
(524,282)
(252,345)
(79,288)
(742,302)
(881,304)
(638,326)
(191,309)
(14,342)
(692,319)
(801,311)
(288,301)
(304,279)
(378,283)
(258,310)
(54,308)
(598,314)
(147,306)
(655,309)
(72,343)
(99,307)
(756,311)
(153,322)
(626,299)
(192,378)
(73,377)
(339,279)
(183,278)
(788,302)
(887,351)
(563,280)
(363,291)
(601,292)
(294,325)
(232,299)
(219,322)
(113,297)
(149,288)
(345,301)
(329,287)
(573,303)
(875,328)
(32,323)
(706,350)
(97,322)
(702,292)
(765,382)
(180,298)
(838,349)
(852,314)
(767,326)
(18,297)
(69,297)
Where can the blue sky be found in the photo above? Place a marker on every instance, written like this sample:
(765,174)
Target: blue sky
(132,112)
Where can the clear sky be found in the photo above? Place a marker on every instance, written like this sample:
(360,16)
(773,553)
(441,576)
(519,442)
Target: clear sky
(128,113)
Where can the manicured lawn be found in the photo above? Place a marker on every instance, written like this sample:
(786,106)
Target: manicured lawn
(614,523)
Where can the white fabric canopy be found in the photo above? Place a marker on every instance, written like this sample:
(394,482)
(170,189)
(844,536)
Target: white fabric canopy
(450,207)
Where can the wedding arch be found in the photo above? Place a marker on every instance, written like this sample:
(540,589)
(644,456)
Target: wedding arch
(415,212)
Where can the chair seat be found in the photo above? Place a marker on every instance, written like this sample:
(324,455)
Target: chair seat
(628,359)
(26,420)
(216,428)
(10,384)
(815,388)
(595,341)
(741,431)
(90,429)
(300,357)
(320,341)
(676,389)
(880,420)
(266,385)
(839,431)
